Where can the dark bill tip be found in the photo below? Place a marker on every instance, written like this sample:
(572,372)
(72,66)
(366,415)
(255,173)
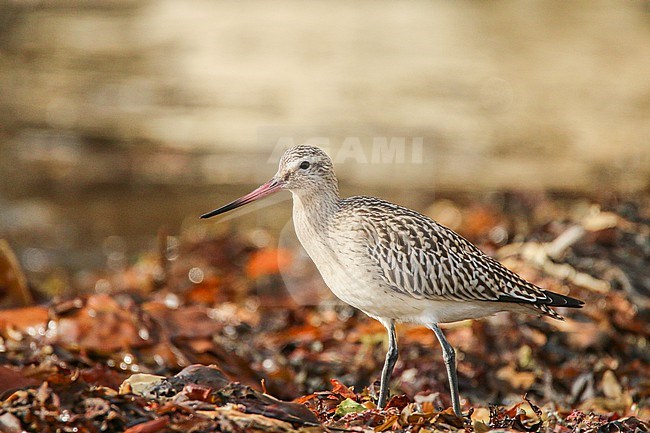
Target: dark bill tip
(222,209)
(268,188)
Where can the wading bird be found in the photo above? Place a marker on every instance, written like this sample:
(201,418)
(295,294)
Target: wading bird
(395,264)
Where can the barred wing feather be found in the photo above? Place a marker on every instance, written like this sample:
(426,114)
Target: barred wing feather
(421,258)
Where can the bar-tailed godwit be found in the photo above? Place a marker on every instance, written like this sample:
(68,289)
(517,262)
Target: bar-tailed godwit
(395,264)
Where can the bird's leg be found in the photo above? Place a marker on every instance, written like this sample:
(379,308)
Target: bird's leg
(389,363)
(450,362)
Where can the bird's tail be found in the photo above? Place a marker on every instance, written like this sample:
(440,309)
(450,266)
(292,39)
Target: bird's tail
(556,300)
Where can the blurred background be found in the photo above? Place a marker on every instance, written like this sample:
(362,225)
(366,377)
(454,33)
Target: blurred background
(123,119)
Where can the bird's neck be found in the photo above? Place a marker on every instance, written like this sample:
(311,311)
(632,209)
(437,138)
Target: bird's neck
(315,208)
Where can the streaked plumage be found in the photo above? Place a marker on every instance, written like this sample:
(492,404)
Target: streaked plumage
(393,263)
(419,258)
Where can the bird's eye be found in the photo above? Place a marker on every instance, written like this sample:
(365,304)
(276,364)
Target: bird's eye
(304,165)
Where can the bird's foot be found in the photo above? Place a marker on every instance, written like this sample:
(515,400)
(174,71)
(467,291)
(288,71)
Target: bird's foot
(467,417)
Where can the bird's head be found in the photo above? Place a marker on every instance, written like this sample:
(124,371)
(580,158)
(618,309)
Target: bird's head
(303,170)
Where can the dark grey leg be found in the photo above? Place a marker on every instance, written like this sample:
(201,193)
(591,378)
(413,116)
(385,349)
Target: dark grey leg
(389,364)
(450,362)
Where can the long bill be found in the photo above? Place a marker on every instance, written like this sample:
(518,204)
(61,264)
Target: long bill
(267,189)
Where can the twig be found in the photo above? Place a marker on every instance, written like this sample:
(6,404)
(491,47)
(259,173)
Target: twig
(14,277)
